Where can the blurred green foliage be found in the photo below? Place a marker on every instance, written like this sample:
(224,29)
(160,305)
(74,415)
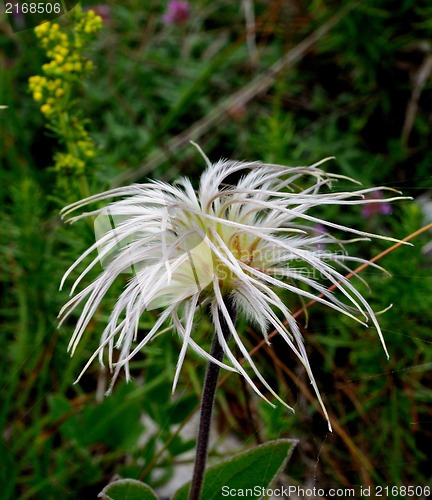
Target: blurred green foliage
(362,94)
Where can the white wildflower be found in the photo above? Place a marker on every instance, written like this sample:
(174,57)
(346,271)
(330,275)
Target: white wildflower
(241,242)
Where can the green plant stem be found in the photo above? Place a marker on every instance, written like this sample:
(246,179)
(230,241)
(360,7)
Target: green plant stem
(207,404)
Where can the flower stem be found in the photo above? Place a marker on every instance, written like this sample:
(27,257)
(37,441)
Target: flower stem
(207,403)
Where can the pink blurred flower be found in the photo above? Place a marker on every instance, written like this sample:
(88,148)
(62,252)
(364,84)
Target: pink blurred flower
(376,208)
(322,231)
(177,12)
(18,16)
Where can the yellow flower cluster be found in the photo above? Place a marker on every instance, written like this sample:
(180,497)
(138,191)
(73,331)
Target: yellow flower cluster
(46,90)
(55,89)
(90,24)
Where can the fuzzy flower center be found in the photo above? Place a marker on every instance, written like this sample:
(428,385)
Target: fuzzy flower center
(212,246)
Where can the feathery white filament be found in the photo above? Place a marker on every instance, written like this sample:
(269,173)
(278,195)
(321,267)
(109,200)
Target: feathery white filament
(189,248)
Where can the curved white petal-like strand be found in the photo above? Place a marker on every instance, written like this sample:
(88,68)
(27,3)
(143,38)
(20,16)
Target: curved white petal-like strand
(181,249)
(185,333)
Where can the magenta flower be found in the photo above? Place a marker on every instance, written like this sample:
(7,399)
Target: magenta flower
(376,206)
(18,17)
(177,12)
(322,231)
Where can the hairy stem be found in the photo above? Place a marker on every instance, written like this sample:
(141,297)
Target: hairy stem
(207,403)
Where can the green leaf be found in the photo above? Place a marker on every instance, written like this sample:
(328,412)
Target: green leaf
(254,469)
(127,489)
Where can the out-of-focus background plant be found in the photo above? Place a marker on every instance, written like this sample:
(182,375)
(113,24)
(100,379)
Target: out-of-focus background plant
(287,82)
